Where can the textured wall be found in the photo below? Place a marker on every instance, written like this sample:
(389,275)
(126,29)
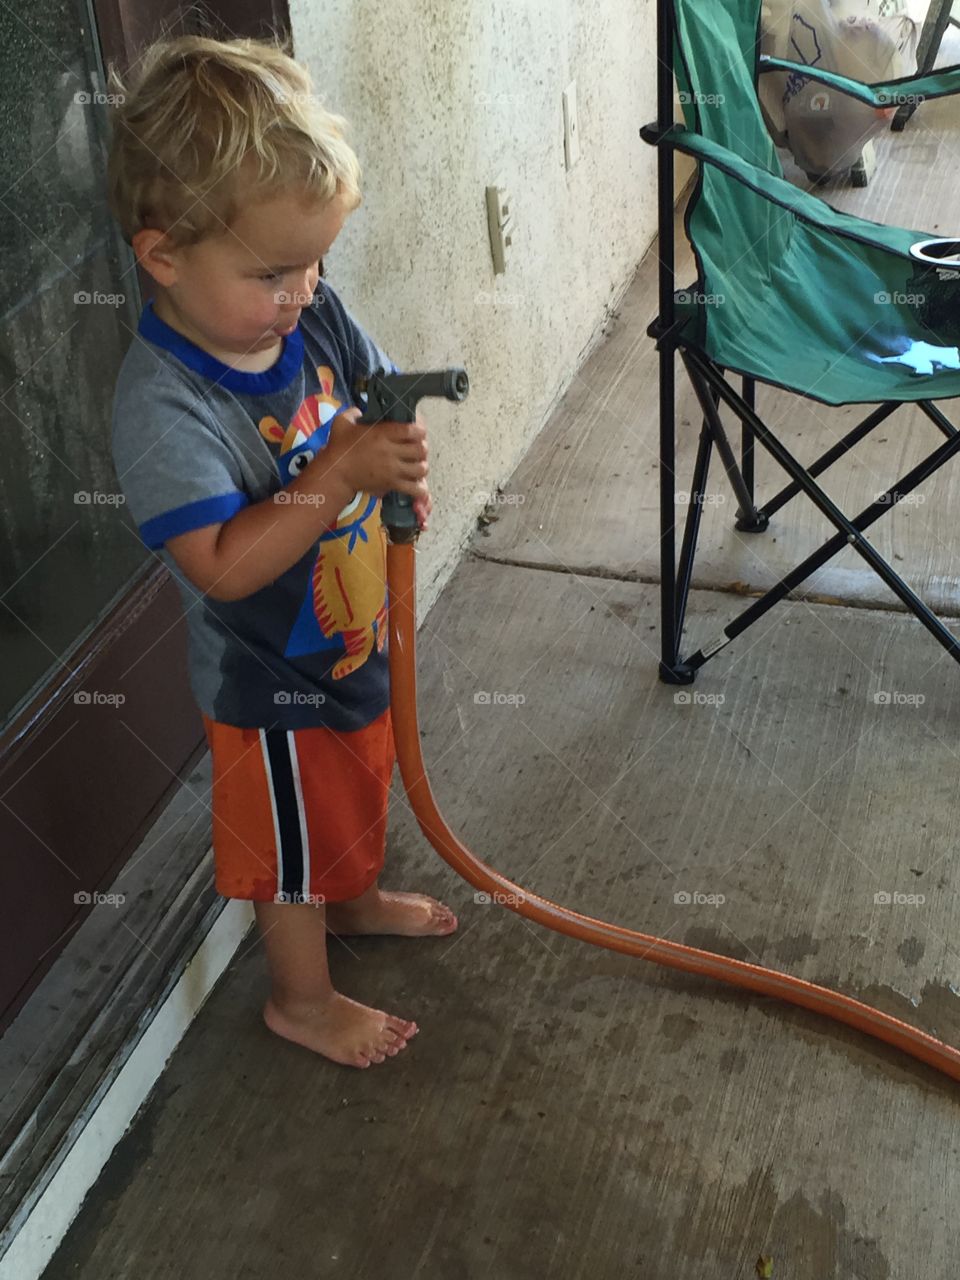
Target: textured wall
(445,97)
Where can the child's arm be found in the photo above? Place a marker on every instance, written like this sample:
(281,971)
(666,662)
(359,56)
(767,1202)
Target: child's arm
(237,557)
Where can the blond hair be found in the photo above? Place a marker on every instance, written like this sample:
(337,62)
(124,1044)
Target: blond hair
(194,110)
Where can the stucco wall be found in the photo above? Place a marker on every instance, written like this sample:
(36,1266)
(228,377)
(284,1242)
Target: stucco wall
(445,97)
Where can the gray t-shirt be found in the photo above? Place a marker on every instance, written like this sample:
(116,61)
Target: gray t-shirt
(194,441)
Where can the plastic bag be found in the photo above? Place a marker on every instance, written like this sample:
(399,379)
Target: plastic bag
(826,130)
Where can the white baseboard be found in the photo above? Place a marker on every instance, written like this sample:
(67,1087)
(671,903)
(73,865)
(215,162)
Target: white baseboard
(106,1119)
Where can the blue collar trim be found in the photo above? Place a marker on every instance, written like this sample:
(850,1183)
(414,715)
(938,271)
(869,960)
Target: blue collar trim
(278,376)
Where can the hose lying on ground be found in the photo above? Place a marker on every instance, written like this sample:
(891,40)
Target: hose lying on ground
(401,577)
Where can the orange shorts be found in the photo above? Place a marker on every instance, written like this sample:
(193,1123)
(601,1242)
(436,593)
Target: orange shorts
(299,812)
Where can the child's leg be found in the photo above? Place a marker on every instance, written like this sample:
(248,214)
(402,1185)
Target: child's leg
(304,1007)
(414,915)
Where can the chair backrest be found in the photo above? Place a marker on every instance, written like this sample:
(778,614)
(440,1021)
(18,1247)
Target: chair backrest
(737,235)
(716,49)
(787,287)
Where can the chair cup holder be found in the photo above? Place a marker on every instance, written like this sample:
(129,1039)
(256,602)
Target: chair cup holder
(937,253)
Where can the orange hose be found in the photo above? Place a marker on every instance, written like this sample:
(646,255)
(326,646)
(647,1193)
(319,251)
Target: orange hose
(401,574)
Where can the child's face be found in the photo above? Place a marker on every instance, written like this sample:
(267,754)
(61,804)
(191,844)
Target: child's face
(243,290)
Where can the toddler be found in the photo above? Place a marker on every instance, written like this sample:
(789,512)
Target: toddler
(236,444)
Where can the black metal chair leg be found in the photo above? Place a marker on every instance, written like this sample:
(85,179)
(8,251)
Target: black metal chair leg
(931,37)
(832,512)
(749,519)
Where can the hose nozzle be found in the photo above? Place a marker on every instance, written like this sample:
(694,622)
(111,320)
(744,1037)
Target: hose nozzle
(393,397)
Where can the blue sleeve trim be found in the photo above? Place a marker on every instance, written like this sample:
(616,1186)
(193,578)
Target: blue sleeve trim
(192,515)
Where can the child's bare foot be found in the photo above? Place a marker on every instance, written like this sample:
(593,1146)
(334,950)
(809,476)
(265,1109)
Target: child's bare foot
(341,1029)
(412,915)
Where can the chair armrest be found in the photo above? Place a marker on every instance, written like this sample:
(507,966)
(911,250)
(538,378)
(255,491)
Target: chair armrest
(779,191)
(886,93)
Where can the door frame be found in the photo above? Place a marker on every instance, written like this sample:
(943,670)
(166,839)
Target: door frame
(73,792)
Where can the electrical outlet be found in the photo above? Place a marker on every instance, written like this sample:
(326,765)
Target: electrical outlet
(500,225)
(571,126)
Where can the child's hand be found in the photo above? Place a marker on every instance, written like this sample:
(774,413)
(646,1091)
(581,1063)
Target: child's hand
(376,459)
(423,505)
(422,508)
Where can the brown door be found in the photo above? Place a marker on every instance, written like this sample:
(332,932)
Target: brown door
(97,725)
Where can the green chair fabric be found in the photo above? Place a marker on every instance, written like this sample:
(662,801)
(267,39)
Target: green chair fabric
(790,290)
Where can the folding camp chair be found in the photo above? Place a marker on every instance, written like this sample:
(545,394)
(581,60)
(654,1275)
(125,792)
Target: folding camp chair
(785,294)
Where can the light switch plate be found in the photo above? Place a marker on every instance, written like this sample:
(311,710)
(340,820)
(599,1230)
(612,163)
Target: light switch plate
(500,225)
(571,126)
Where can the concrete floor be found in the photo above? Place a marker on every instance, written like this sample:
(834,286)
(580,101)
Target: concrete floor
(570,1112)
(567,1111)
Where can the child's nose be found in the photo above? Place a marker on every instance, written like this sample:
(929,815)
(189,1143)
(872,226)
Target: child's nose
(303,290)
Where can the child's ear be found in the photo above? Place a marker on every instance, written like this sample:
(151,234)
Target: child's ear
(156,255)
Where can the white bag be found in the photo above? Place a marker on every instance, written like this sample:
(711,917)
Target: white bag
(826,130)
